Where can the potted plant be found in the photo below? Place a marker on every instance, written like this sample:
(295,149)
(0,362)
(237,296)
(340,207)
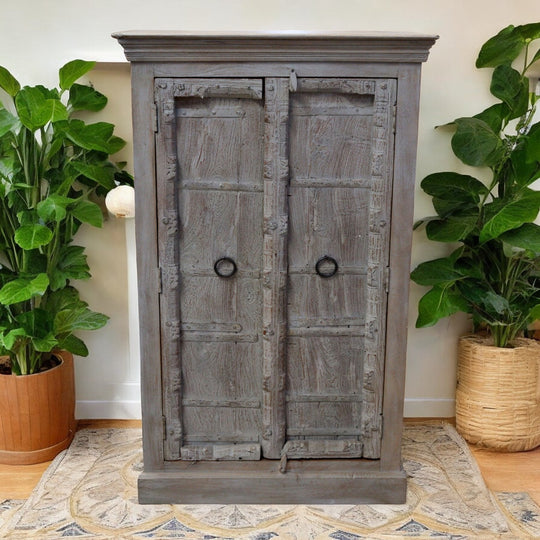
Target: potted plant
(54,168)
(494,272)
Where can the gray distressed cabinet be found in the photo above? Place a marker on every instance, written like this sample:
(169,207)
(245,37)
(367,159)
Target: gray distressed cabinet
(274,185)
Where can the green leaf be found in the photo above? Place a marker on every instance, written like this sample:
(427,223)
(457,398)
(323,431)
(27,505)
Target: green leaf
(454,228)
(92,136)
(59,110)
(28,217)
(7,122)
(438,303)
(116,144)
(33,108)
(22,289)
(525,159)
(475,143)
(74,345)
(102,173)
(471,267)
(88,212)
(535,313)
(525,237)
(486,303)
(436,272)
(78,319)
(536,57)
(509,86)
(532,144)
(10,338)
(529,32)
(67,297)
(33,236)
(493,116)
(503,48)
(85,98)
(45,344)
(495,303)
(53,208)
(36,323)
(71,265)
(510,214)
(8,82)
(73,71)
(453,186)
(445,207)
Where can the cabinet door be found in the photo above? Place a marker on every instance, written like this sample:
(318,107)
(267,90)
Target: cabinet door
(340,158)
(291,197)
(210,198)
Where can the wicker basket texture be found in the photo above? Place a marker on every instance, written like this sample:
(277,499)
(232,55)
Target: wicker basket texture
(498,394)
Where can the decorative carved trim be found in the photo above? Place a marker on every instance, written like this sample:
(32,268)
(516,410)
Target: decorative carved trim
(168,260)
(276,179)
(371,422)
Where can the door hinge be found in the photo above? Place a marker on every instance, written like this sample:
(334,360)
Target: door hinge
(154,118)
(159,279)
(387,280)
(164,427)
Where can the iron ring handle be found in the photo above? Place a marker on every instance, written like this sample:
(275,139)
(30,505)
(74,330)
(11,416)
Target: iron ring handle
(218,265)
(323,260)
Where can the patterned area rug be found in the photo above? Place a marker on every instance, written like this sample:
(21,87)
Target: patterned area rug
(89,491)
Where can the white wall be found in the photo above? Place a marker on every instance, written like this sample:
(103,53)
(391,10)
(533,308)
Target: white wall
(37,37)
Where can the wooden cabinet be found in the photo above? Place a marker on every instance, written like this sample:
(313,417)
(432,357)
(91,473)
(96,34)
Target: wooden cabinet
(274,181)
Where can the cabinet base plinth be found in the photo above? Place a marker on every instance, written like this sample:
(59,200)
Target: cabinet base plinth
(304,482)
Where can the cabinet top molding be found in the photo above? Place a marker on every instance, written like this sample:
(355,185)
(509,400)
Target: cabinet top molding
(161,46)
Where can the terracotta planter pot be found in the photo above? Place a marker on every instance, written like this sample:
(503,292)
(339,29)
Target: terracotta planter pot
(37,414)
(498,394)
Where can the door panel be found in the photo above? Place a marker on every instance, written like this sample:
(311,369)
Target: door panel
(285,356)
(215,370)
(341,143)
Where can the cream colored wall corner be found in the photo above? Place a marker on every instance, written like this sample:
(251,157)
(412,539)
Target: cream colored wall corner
(37,37)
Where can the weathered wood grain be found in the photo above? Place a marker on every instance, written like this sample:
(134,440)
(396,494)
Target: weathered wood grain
(209,141)
(377,262)
(221,452)
(408,91)
(339,132)
(167,235)
(276,229)
(276,355)
(326,481)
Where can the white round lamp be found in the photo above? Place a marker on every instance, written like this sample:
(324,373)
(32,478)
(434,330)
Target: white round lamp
(120,201)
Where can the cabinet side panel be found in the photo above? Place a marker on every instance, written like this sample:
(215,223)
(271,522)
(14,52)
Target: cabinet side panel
(408,93)
(147,263)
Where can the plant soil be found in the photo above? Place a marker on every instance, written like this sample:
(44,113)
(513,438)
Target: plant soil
(49,363)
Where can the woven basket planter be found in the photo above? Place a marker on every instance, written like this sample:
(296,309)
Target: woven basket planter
(498,394)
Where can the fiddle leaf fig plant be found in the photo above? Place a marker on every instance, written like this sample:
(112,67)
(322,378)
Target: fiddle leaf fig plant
(54,168)
(494,272)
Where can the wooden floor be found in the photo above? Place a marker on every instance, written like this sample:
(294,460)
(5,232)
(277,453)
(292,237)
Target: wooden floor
(502,472)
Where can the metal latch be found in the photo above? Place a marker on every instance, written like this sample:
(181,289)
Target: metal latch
(293,81)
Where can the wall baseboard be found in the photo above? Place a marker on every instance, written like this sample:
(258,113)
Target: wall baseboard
(129,410)
(429,408)
(115,410)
